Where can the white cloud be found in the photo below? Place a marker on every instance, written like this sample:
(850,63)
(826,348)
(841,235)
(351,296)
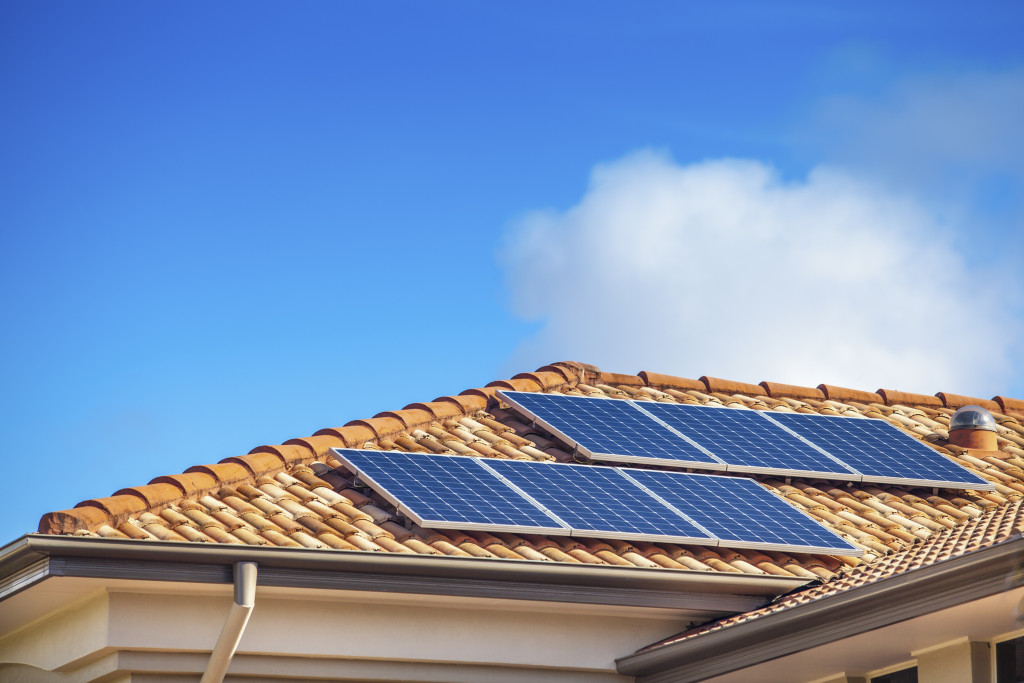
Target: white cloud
(722,268)
(939,127)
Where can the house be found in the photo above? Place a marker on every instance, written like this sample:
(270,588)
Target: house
(278,565)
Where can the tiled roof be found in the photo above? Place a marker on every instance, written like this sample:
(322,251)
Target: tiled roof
(995,526)
(293,495)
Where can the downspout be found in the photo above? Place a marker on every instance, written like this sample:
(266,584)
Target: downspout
(234,625)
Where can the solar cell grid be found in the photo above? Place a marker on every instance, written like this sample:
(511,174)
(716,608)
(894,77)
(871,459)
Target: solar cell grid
(881,452)
(447,491)
(609,429)
(599,501)
(746,441)
(742,513)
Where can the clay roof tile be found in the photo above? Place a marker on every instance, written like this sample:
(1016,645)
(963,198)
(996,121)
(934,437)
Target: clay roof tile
(653,379)
(189,484)
(379,426)
(522,384)
(617,378)
(155,495)
(351,435)
(778,390)
(958,401)
(440,410)
(724,386)
(892,396)
(843,395)
(69,521)
(318,445)
(1010,405)
(225,473)
(545,379)
(410,417)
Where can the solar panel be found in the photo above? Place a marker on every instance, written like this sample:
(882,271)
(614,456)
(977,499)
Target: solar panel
(742,513)
(599,502)
(609,429)
(446,492)
(880,452)
(747,442)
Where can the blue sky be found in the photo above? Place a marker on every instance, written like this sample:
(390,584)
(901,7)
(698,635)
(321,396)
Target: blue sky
(230,225)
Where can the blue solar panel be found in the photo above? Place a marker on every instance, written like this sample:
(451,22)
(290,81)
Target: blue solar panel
(599,501)
(881,452)
(444,491)
(742,513)
(608,429)
(746,441)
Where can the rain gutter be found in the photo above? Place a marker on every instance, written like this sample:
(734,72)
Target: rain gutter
(35,557)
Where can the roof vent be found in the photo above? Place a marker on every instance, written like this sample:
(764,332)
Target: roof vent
(973,427)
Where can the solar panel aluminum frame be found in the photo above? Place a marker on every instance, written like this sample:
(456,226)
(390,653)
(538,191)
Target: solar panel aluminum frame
(618,457)
(620,535)
(562,529)
(853,551)
(849,475)
(906,481)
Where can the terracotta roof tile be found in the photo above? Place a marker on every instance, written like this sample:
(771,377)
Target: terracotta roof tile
(653,379)
(572,371)
(842,395)
(1011,405)
(351,435)
(957,401)
(724,386)
(777,390)
(439,410)
(545,379)
(891,396)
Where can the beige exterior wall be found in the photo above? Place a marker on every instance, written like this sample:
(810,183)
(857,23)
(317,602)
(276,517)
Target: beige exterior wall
(335,635)
(962,661)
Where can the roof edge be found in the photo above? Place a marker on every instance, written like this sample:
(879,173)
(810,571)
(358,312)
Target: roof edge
(881,603)
(372,571)
(269,460)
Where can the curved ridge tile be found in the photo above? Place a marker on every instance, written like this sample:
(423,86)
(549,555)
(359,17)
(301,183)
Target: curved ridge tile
(779,390)
(716,385)
(892,396)
(958,401)
(844,395)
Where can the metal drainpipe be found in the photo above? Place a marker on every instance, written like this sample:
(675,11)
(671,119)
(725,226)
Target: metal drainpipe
(234,625)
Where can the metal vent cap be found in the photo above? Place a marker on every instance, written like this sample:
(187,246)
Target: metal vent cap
(972,417)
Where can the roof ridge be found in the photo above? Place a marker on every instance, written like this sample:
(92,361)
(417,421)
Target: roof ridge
(269,460)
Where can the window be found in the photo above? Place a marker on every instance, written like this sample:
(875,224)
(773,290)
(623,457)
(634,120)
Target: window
(902,676)
(1010,661)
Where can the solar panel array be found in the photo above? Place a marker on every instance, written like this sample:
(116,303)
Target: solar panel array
(752,441)
(442,491)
